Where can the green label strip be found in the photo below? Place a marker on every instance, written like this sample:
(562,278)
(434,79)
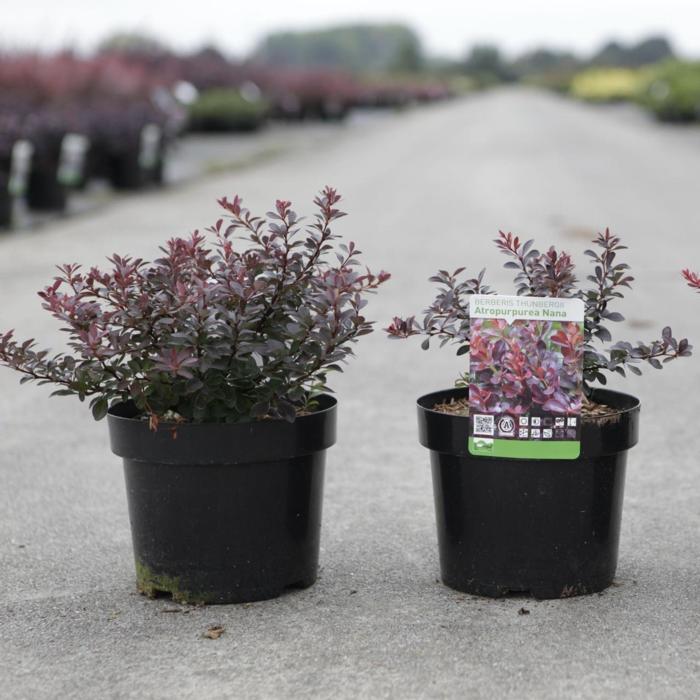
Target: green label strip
(524,449)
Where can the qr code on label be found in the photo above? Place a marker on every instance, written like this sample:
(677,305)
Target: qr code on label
(483,425)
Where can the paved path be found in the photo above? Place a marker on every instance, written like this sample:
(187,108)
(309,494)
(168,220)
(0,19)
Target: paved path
(426,189)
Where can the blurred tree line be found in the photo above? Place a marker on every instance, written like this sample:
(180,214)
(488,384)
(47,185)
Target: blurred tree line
(645,71)
(364,48)
(486,64)
(396,48)
(372,48)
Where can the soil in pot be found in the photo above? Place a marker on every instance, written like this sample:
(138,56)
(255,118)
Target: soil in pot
(224,513)
(546,528)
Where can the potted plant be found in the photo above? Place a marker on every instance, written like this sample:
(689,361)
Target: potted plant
(128,142)
(545,527)
(46,129)
(5,200)
(8,138)
(211,364)
(15,164)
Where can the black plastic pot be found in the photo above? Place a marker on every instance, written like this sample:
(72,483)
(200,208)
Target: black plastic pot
(125,171)
(224,513)
(156,175)
(44,191)
(546,528)
(5,202)
(219,124)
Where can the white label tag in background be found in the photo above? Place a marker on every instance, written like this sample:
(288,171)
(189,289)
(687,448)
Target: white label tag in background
(72,160)
(150,146)
(19,167)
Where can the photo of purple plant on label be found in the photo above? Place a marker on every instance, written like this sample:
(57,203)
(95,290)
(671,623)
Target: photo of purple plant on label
(525,376)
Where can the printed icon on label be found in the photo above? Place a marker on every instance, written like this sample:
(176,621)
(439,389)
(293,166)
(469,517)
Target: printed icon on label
(548,421)
(559,433)
(559,422)
(571,422)
(535,433)
(571,433)
(536,421)
(524,421)
(483,425)
(485,444)
(506,426)
(522,433)
(547,433)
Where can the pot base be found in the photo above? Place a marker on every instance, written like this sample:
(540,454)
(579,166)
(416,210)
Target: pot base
(547,590)
(153,585)
(225,533)
(548,530)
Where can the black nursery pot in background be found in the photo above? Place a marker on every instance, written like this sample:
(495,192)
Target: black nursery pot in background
(44,191)
(125,171)
(546,528)
(5,202)
(224,513)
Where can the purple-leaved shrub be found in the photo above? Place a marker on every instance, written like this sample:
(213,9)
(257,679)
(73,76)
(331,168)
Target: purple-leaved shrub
(248,327)
(693,279)
(548,274)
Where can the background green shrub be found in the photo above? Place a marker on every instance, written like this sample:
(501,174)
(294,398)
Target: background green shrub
(673,92)
(610,84)
(225,109)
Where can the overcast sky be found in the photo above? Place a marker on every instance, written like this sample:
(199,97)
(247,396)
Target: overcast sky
(445,27)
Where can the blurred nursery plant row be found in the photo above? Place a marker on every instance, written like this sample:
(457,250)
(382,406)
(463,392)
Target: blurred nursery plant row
(66,119)
(670,90)
(648,73)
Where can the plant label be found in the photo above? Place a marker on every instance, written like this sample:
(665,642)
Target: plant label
(149,153)
(525,376)
(74,148)
(19,168)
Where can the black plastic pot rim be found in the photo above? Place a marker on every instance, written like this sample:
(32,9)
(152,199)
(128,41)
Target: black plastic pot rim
(221,443)
(610,433)
(427,401)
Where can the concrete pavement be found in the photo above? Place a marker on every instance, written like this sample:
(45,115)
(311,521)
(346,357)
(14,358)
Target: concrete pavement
(425,189)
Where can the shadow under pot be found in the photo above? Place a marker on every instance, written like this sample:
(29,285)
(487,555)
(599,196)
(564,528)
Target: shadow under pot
(224,513)
(545,528)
